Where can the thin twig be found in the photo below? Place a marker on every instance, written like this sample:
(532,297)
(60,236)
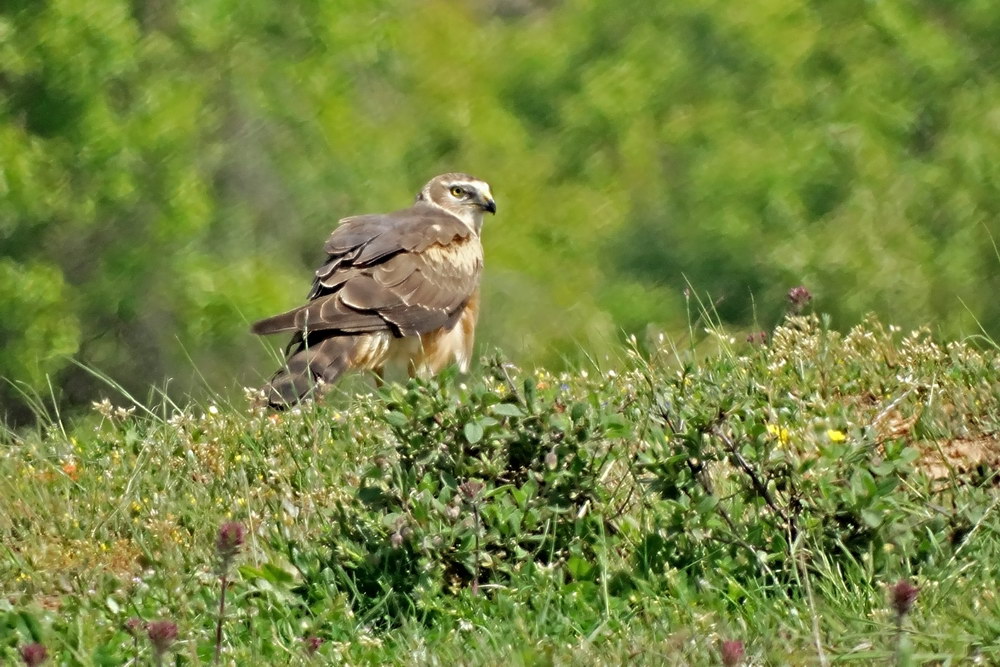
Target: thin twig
(758,485)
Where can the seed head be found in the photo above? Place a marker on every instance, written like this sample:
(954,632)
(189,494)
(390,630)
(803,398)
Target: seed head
(732,652)
(33,654)
(161,635)
(902,595)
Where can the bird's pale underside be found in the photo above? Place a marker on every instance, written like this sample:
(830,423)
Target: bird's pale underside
(401,286)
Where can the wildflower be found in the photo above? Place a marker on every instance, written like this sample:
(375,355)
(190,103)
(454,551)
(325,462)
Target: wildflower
(551,460)
(103,408)
(835,435)
(121,414)
(231,538)
(313,644)
(732,652)
(779,432)
(798,297)
(33,654)
(134,625)
(227,545)
(161,635)
(902,595)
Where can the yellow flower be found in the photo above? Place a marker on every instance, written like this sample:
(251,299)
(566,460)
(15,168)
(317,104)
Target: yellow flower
(780,432)
(835,435)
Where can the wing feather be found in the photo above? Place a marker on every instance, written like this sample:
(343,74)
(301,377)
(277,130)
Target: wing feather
(408,272)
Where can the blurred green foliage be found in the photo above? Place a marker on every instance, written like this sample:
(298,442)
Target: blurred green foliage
(169,168)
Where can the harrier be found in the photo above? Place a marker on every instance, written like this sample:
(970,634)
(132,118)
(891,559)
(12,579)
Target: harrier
(394,286)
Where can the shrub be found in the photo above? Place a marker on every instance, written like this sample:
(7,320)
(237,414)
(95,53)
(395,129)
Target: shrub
(471,486)
(755,462)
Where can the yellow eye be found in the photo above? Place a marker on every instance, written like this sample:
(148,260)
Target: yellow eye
(457,191)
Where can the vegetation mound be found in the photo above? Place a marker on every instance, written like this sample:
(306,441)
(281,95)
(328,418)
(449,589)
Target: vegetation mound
(764,493)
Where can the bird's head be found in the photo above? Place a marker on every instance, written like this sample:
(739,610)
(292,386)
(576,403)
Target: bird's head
(466,197)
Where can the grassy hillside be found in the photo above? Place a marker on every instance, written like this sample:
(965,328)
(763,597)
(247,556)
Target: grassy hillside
(169,169)
(766,492)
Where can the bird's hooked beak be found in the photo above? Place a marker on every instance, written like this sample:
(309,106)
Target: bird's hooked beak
(487,202)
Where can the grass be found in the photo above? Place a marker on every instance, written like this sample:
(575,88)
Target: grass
(768,493)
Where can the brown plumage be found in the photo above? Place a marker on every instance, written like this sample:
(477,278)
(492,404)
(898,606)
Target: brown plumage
(401,285)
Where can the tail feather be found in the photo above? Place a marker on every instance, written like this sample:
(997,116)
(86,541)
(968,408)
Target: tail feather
(276,324)
(324,360)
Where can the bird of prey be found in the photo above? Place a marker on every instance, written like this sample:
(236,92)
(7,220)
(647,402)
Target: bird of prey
(394,286)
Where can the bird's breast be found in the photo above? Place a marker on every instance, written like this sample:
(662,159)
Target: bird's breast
(464,258)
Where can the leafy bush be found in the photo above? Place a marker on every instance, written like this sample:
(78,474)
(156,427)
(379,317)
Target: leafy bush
(472,486)
(764,491)
(760,461)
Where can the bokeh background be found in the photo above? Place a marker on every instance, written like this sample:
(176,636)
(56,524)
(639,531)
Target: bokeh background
(170,168)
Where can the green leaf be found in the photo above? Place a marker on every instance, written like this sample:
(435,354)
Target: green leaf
(507,410)
(473,432)
(276,574)
(397,419)
(616,426)
(872,518)
(32,625)
(707,504)
(579,568)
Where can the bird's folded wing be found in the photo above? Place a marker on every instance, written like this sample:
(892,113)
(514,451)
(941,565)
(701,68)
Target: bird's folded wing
(408,272)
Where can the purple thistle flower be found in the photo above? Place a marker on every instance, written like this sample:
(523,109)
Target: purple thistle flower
(732,652)
(313,643)
(232,535)
(902,595)
(798,297)
(161,635)
(33,654)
